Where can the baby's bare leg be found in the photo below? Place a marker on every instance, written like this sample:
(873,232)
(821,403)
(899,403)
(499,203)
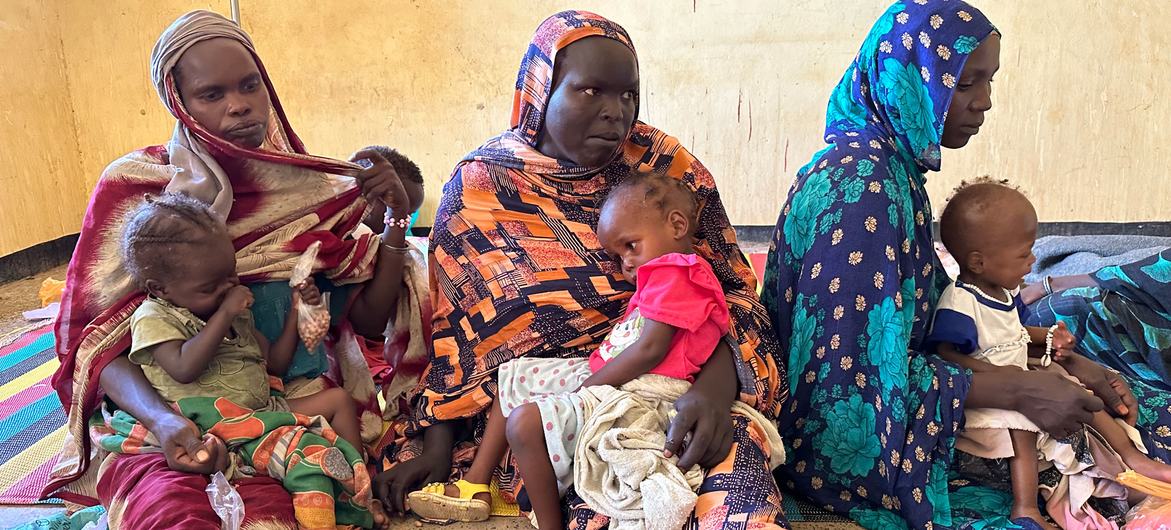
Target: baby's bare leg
(526,436)
(1023,468)
(1121,443)
(491,451)
(336,405)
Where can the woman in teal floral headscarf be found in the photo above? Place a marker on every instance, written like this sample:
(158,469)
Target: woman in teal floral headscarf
(852,279)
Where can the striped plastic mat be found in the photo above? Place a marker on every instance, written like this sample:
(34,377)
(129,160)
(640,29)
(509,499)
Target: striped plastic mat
(32,422)
(798,510)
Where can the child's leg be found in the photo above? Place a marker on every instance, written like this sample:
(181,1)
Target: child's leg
(1023,468)
(1120,442)
(488,455)
(527,438)
(447,501)
(336,405)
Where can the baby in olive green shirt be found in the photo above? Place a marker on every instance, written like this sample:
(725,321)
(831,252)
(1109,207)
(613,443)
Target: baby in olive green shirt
(194,335)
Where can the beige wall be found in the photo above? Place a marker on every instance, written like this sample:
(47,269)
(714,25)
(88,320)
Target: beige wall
(75,95)
(107,48)
(40,197)
(743,84)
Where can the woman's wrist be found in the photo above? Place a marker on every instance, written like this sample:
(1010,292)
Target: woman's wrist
(1065,283)
(716,380)
(439,442)
(716,392)
(162,420)
(996,390)
(394,236)
(392,220)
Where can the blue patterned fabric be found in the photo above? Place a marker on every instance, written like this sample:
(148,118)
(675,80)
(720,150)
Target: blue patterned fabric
(1124,322)
(852,278)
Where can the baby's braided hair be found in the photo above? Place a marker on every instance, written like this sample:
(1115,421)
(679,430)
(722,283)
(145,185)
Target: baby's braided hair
(659,191)
(158,227)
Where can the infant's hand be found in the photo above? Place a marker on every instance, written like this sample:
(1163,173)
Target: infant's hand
(219,450)
(237,301)
(1062,338)
(307,292)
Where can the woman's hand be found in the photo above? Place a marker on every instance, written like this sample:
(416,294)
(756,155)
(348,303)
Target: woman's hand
(1106,384)
(1057,405)
(381,182)
(434,465)
(392,486)
(186,450)
(1034,292)
(709,422)
(704,412)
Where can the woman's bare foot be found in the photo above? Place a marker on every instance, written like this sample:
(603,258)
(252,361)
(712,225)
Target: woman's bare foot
(1031,512)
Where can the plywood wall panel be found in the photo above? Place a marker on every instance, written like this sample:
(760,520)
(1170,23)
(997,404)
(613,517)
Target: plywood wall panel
(1080,102)
(40,194)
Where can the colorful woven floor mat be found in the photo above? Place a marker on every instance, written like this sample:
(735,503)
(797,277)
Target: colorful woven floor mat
(32,422)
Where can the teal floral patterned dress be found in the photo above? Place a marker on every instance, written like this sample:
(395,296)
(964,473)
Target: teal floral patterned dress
(852,278)
(1124,323)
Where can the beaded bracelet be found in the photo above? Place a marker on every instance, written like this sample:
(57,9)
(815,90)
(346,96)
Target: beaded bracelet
(391,221)
(1047,359)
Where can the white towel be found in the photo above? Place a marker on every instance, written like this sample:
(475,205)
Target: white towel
(619,467)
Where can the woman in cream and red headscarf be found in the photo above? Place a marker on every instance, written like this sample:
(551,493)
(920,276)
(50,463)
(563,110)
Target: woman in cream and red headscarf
(233,149)
(517,271)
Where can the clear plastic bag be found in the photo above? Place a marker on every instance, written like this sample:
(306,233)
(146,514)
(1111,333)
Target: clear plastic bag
(226,502)
(1154,512)
(312,320)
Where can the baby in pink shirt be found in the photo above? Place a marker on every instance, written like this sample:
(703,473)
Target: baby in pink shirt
(676,290)
(672,325)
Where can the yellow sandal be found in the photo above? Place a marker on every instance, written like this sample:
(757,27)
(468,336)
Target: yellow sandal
(431,504)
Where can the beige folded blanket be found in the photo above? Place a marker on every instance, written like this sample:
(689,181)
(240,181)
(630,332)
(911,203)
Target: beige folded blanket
(619,467)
